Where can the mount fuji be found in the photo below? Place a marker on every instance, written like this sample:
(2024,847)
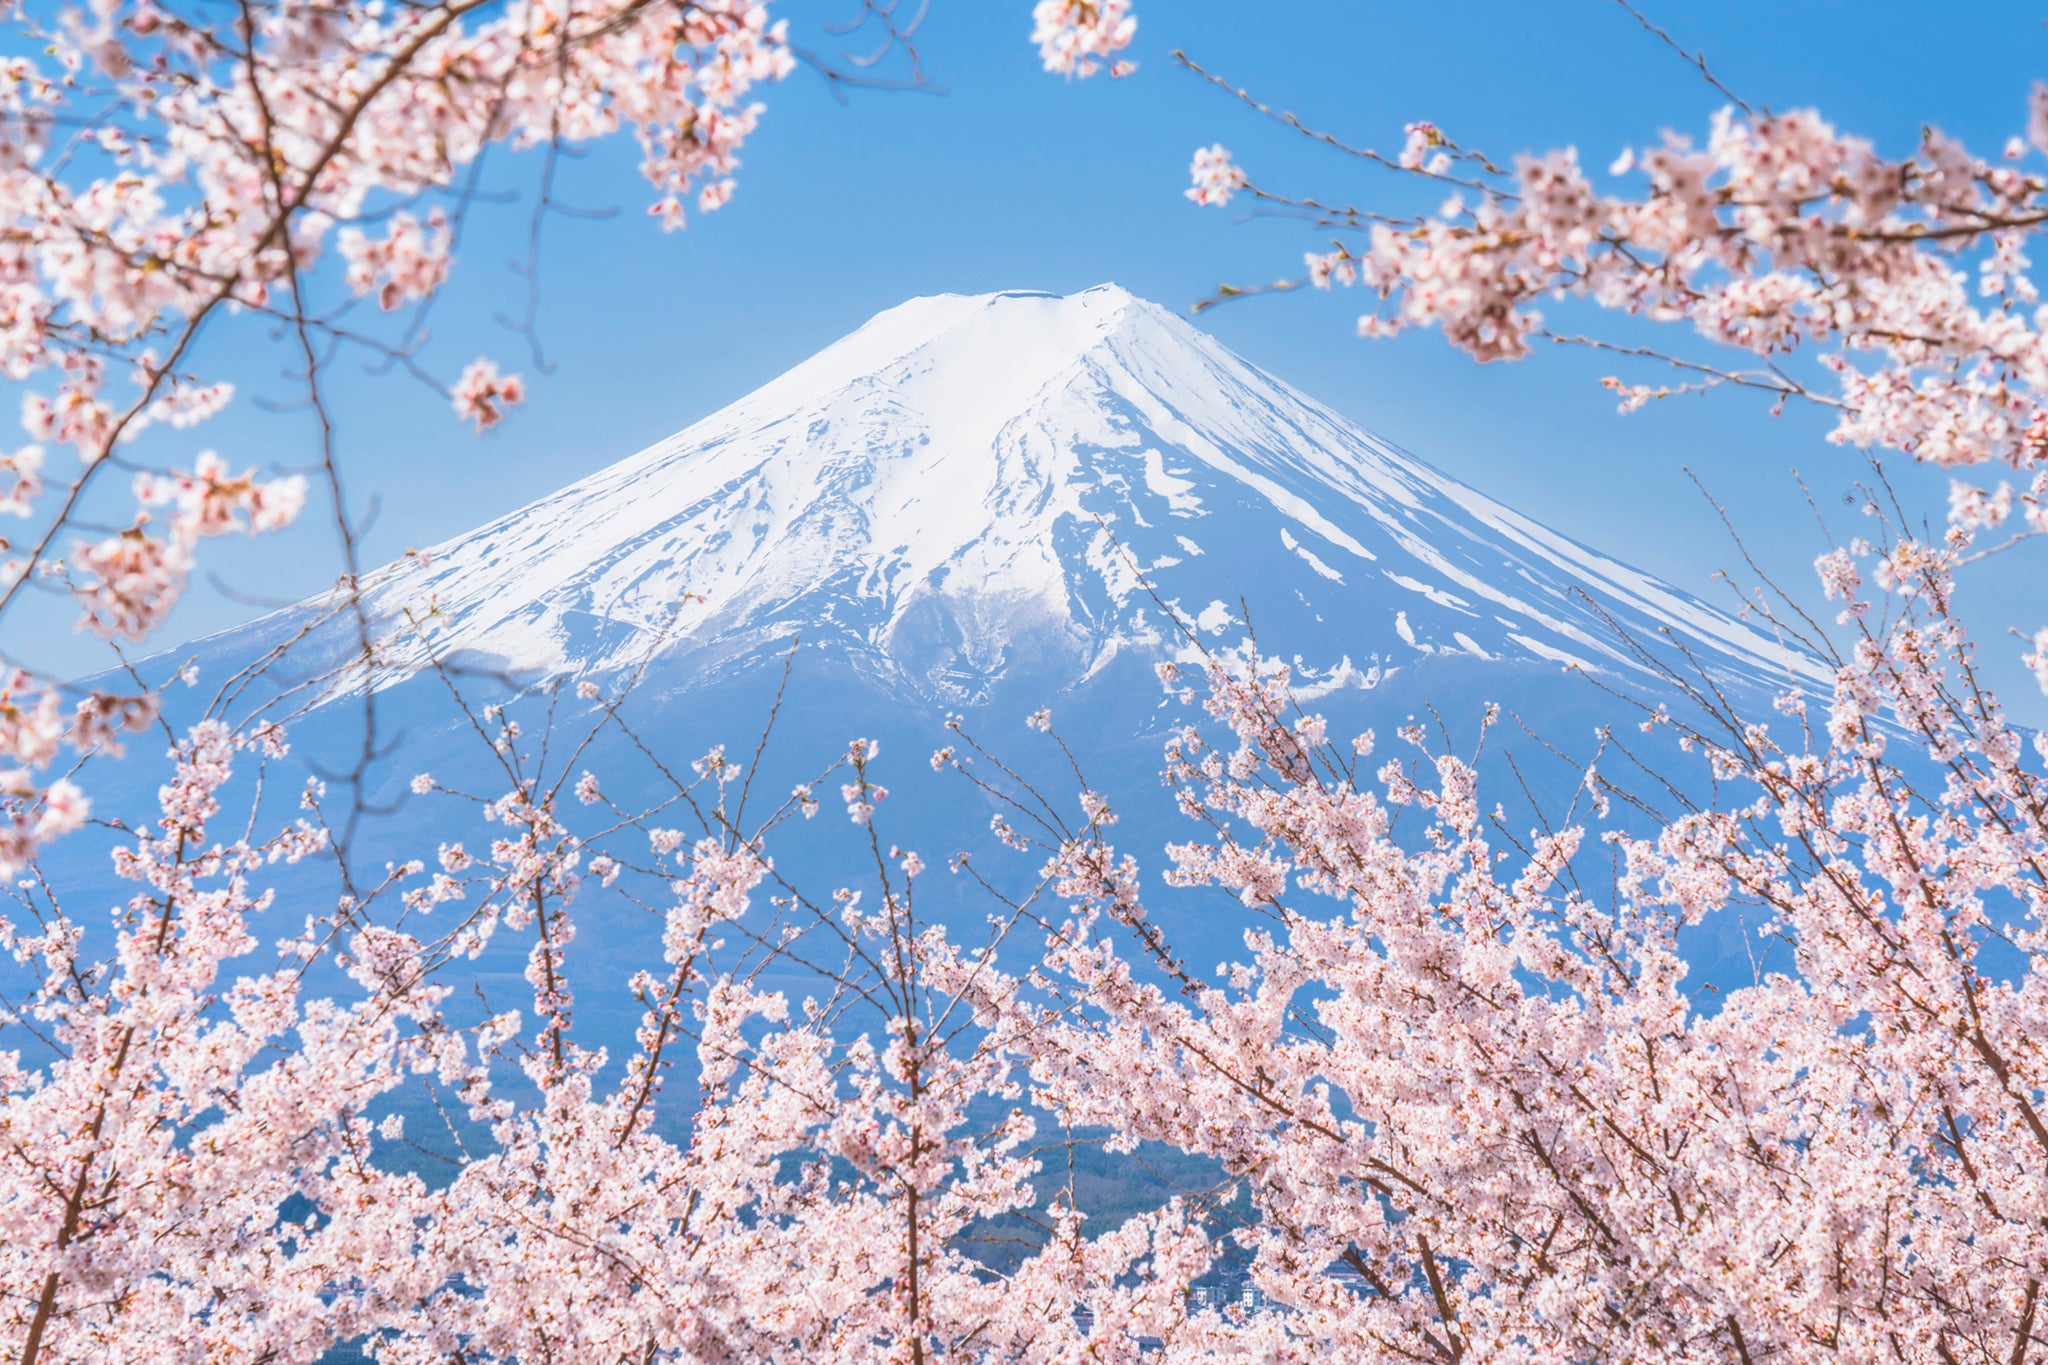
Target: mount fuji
(1003,495)
(970,507)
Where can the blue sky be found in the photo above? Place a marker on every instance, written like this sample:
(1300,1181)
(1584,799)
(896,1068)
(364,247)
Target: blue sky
(1014,179)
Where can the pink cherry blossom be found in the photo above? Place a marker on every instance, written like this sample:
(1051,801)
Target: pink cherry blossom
(1074,37)
(1216,177)
(482,394)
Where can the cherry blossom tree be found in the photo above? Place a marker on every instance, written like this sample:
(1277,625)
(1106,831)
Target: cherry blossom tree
(1469,1104)
(1479,1107)
(208,1162)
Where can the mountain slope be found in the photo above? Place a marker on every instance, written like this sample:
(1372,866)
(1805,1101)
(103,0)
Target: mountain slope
(969,490)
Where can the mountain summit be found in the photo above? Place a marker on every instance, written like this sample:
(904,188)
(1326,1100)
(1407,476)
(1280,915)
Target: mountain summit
(970,489)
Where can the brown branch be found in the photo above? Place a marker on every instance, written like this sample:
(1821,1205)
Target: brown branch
(1698,62)
(1362,153)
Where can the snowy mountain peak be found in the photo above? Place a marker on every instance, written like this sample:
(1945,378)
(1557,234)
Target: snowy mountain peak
(970,489)
(1012,341)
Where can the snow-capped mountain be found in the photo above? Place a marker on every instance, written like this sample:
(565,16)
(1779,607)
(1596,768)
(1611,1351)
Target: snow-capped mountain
(969,490)
(971,505)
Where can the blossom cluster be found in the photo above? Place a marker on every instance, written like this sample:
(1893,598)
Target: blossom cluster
(165,172)
(1779,233)
(1217,178)
(1076,37)
(1891,290)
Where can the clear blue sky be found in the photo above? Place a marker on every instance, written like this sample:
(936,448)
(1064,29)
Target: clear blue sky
(1013,179)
